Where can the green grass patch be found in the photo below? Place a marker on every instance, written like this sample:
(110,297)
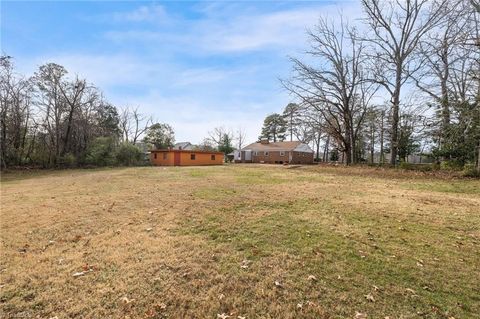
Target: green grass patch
(459,187)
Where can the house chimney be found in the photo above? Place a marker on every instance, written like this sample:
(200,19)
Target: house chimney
(264,141)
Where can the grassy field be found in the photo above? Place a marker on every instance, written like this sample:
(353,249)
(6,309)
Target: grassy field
(239,242)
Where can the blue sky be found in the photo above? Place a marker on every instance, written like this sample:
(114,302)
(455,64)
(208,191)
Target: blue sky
(194,65)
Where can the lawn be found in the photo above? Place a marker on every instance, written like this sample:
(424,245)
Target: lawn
(239,241)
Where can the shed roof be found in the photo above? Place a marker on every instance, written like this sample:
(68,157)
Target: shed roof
(185,151)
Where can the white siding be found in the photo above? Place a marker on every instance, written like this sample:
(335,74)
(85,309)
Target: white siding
(303,148)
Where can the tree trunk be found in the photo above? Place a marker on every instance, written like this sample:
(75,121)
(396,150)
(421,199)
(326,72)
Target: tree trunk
(478,158)
(347,154)
(372,145)
(317,142)
(325,150)
(395,116)
(382,158)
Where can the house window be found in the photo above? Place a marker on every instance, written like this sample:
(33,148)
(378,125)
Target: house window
(212,157)
(255,153)
(282,153)
(266,153)
(164,156)
(155,155)
(192,157)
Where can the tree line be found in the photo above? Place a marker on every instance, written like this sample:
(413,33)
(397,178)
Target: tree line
(421,56)
(52,120)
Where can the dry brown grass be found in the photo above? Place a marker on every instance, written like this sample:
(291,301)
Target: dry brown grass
(171,242)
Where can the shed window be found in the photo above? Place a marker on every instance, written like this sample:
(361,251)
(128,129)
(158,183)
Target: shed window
(164,156)
(155,155)
(282,153)
(192,157)
(212,157)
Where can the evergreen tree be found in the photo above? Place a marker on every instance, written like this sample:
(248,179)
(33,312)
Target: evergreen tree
(274,128)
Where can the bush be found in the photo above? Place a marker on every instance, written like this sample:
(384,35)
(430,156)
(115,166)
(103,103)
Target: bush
(101,152)
(416,167)
(68,160)
(451,165)
(129,154)
(469,170)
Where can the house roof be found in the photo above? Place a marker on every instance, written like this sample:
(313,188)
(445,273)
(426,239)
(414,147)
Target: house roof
(184,151)
(182,145)
(278,146)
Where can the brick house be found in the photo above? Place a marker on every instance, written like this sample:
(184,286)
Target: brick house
(275,153)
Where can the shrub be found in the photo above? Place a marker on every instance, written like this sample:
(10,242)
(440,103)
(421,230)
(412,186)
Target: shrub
(469,170)
(68,160)
(416,167)
(451,165)
(101,152)
(129,154)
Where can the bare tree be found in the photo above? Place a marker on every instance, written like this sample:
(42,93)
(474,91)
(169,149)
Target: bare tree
(15,113)
(440,53)
(396,30)
(133,124)
(240,137)
(52,105)
(337,88)
(217,135)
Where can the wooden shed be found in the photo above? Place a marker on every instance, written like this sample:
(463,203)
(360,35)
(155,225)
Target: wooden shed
(173,157)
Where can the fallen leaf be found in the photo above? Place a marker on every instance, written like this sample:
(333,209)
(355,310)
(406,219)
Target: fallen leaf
(312,278)
(370,297)
(278,284)
(299,306)
(245,264)
(149,229)
(162,306)
(222,316)
(127,301)
(359,315)
(150,313)
(241,317)
(78,274)
(221,296)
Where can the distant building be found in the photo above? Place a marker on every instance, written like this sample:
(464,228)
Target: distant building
(275,153)
(187,146)
(172,157)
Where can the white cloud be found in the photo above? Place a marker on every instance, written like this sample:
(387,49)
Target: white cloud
(227,28)
(192,100)
(151,13)
(186,72)
(244,33)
